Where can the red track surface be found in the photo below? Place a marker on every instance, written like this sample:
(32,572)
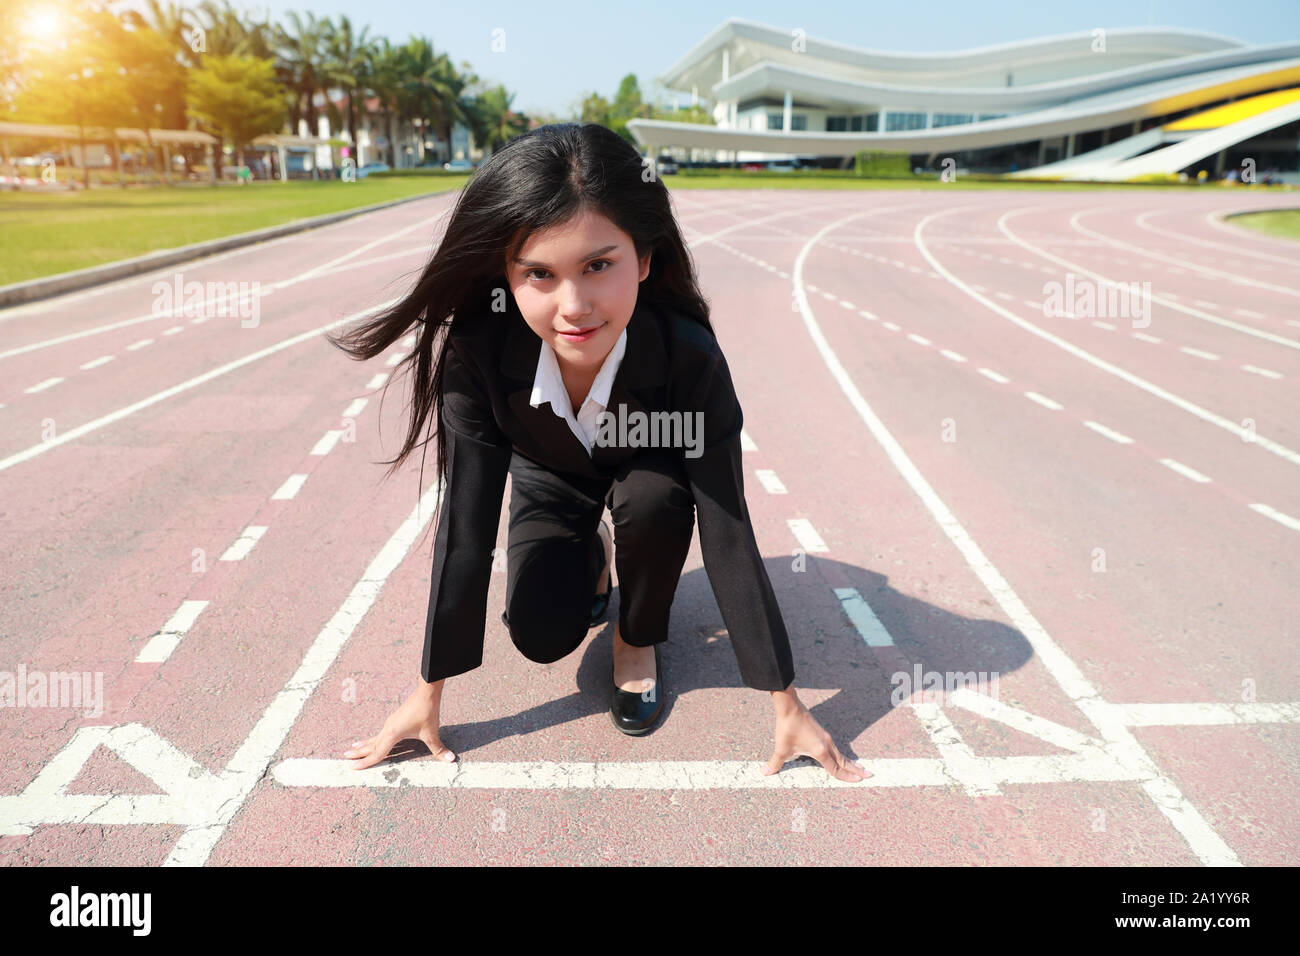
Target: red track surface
(1088,573)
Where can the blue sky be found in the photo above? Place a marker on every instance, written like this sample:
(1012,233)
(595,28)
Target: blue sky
(557,51)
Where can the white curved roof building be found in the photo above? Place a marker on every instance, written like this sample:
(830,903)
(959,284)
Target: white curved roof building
(1150,99)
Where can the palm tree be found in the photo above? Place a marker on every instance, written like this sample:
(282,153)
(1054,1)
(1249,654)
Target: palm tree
(384,72)
(346,65)
(226,33)
(300,54)
(493,122)
(433,88)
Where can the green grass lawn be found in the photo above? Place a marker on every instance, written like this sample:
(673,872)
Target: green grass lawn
(1284,223)
(47,233)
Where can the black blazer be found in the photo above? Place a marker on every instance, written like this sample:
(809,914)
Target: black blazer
(671,363)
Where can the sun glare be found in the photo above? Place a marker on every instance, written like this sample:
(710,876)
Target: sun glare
(42,24)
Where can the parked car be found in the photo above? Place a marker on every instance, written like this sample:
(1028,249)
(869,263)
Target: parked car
(369,168)
(458,166)
(666,165)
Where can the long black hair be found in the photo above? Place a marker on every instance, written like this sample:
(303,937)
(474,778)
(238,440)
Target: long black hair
(538,180)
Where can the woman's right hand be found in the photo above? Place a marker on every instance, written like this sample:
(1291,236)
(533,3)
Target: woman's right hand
(417,717)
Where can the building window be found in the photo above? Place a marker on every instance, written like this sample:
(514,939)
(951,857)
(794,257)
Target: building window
(951,119)
(798,121)
(989,116)
(837,124)
(903,121)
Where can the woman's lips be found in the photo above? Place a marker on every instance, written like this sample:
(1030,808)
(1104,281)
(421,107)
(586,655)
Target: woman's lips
(580,336)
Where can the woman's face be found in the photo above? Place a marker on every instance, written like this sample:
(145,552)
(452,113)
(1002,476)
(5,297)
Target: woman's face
(578,276)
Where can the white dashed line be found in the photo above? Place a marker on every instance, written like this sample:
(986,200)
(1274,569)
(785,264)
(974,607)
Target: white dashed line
(989,373)
(174,329)
(1205,305)
(919,339)
(1262,371)
(955,356)
(164,642)
(806,534)
(378,380)
(747,443)
(868,626)
(42,386)
(290,488)
(327,442)
(96,363)
(865,314)
(139,345)
(1147,338)
(1104,325)
(395,358)
(1197,352)
(1044,401)
(244,543)
(891,326)
(1109,433)
(354,409)
(1248,314)
(1277,516)
(1183,470)
(771,483)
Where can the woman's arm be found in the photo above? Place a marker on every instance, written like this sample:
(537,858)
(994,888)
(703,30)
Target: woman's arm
(478,460)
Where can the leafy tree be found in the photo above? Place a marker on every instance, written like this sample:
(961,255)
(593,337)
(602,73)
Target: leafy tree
(239,96)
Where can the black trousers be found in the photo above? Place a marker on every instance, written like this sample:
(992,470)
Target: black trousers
(555,556)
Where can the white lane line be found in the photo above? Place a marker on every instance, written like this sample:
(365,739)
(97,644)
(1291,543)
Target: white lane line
(409,341)
(846,304)
(1104,325)
(1248,314)
(955,356)
(1198,268)
(1183,470)
(244,543)
(747,443)
(354,409)
(174,329)
(1204,304)
(326,442)
(74,433)
(1198,352)
(96,363)
(1277,448)
(42,386)
(864,619)
(1278,516)
(1207,714)
(1262,371)
(249,764)
(164,642)
(919,339)
(1122,747)
(891,326)
(292,485)
(378,380)
(806,534)
(865,314)
(395,358)
(139,345)
(1108,432)
(1044,401)
(989,373)
(1146,338)
(1164,298)
(771,483)
(1004,295)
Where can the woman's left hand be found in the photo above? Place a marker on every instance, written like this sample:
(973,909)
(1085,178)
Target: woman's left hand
(799,735)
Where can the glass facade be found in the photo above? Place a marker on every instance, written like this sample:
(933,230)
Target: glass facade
(903,121)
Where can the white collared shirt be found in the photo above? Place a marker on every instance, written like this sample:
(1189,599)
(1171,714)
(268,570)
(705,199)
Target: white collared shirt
(548,386)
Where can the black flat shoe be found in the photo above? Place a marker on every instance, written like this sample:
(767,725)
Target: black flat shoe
(631,714)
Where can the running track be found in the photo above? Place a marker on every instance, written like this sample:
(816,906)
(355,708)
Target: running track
(1102,512)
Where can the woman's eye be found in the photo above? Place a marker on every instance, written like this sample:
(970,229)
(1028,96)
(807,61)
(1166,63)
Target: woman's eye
(606,262)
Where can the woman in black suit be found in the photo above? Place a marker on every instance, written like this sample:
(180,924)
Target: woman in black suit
(579,359)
